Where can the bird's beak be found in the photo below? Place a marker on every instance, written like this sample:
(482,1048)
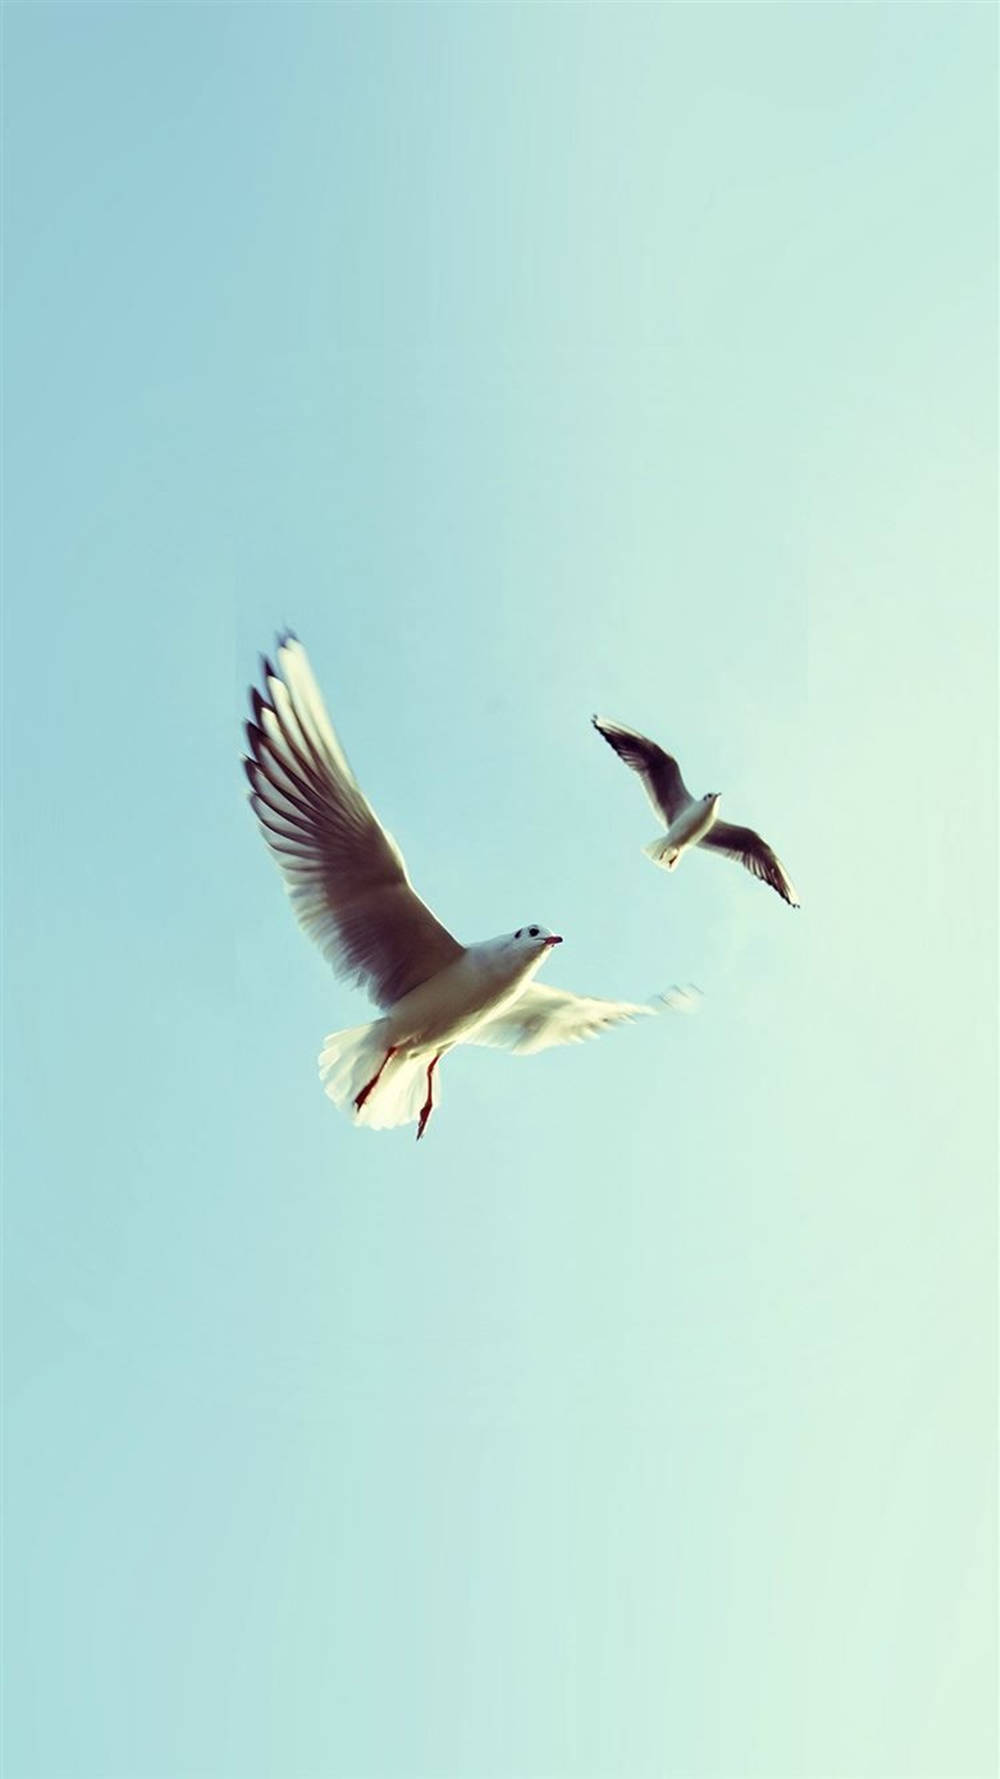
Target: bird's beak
(553,939)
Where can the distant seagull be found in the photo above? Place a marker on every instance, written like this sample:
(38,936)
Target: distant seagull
(351,893)
(691,821)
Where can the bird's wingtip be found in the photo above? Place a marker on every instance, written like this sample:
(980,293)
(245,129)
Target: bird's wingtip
(681,997)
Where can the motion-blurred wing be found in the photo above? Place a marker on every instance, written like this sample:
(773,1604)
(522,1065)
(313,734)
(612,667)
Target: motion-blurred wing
(750,850)
(660,773)
(344,873)
(542,1016)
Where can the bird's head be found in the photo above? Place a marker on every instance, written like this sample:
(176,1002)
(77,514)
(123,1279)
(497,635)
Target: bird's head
(534,941)
(712,797)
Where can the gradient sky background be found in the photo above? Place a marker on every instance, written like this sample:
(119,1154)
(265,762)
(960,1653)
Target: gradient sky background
(529,361)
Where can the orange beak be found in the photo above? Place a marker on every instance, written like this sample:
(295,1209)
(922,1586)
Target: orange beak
(553,939)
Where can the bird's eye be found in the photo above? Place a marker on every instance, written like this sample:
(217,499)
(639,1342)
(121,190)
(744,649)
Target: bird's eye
(520,930)
(533,932)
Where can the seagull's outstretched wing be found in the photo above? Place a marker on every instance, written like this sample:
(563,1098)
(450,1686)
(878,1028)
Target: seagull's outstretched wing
(660,773)
(750,850)
(542,1016)
(344,873)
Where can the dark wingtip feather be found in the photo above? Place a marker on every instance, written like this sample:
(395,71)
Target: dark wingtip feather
(605,729)
(614,732)
(624,742)
(286,635)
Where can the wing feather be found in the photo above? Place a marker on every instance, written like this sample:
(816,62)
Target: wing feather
(543,1016)
(344,873)
(748,849)
(659,772)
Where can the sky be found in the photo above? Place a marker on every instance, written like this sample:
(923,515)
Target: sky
(530,361)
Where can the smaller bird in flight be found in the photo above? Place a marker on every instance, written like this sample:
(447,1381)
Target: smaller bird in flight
(691,821)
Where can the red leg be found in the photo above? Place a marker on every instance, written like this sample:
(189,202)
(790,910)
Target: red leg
(366,1090)
(428,1105)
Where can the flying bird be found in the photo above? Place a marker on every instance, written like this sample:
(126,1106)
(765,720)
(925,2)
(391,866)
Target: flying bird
(350,892)
(691,821)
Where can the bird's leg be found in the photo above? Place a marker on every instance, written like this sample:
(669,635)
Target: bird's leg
(366,1090)
(428,1105)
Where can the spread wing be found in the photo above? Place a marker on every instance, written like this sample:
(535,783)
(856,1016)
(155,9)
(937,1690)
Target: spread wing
(344,873)
(542,1016)
(660,773)
(750,850)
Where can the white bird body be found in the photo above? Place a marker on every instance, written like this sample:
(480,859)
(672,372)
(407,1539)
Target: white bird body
(449,1009)
(351,893)
(487,978)
(686,830)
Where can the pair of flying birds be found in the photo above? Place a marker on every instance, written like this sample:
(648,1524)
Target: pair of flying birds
(350,891)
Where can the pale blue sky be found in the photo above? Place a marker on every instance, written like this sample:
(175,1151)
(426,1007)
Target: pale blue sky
(529,361)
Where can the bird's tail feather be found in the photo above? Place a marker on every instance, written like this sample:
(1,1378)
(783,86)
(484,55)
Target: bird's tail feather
(662,852)
(350,1059)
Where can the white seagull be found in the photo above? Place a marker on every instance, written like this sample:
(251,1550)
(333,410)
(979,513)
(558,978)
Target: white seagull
(691,821)
(351,893)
